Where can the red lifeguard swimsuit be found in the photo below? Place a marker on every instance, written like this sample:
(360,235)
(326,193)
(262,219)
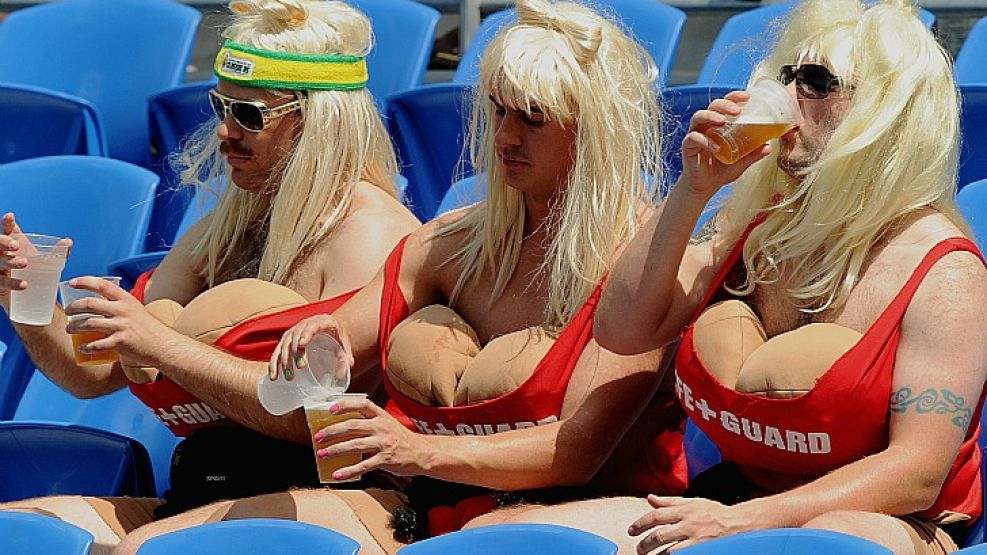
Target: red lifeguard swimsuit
(842,419)
(253,339)
(535,402)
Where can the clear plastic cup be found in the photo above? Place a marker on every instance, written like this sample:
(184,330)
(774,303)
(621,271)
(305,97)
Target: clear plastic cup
(45,256)
(69,295)
(326,373)
(318,417)
(770,113)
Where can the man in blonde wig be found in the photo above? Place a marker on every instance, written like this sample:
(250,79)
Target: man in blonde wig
(831,316)
(310,210)
(480,317)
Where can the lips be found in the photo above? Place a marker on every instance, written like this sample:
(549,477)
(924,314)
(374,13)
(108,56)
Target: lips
(513,161)
(234,156)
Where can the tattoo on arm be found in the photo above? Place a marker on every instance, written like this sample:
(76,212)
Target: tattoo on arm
(931,402)
(706,232)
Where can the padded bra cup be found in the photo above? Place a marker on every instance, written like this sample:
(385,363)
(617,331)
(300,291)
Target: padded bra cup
(434,357)
(734,348)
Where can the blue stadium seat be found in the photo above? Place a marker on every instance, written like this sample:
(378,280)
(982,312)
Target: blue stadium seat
(104,205)
(429,128)
(113,54)
(48,459)
(174,114)
(680,103)
(700,451)
(973,123)
(404,32)
(130,268)
(746,39)
(29,534)
(257,536)
(511,539)
(970,67)
(40,122)
(973,203)
(463,193)
(787,541)
(655,25)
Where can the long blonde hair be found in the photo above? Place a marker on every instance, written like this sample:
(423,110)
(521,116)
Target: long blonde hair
(894,153)
(580,70)
(342,141)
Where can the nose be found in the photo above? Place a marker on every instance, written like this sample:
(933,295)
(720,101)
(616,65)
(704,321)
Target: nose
(509,130)
(229,129)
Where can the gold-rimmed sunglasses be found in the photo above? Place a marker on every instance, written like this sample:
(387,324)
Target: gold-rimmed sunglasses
(252,115)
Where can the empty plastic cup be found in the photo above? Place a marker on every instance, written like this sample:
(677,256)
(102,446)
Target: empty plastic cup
(69,295)
(325,373)
(770,113)
(45,260)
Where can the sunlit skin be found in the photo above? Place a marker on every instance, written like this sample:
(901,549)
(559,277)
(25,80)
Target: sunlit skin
(535,154)
(253,156)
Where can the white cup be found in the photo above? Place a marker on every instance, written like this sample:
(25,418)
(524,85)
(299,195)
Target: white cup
(45,256)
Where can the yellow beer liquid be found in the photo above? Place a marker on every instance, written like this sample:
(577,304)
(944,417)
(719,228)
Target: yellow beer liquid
(737,140)
(318,418)
(87,359)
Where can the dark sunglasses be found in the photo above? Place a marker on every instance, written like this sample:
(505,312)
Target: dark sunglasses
(811,80)
(252,115)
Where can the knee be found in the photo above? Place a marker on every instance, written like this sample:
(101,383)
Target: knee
(848,522)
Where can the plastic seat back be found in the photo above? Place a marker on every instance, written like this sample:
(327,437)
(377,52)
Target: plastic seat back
(680,103)
(656,26)
(700,451)
(970,67)
(747,38)
(973,203)
(113,54)
(428,125)
(510,539)
(973,123)
(104,205)
(50,459)
(788,541)
(173,115)
(40,122)
(404,32)
(463,193)
(256,536)
(29,534)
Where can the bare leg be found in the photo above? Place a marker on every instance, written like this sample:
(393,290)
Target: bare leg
(320,507)
(902,536)
(604,517)
(115,516)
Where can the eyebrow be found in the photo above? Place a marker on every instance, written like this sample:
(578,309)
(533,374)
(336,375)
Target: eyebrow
(534,109)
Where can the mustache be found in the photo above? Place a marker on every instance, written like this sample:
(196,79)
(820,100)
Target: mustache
(512,155)
(226,148)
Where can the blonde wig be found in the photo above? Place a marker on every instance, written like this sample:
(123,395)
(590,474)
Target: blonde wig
(894,153)
(342,141)
(580,70)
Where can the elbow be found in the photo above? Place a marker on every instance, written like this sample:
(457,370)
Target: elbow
(623,336)
(921,495)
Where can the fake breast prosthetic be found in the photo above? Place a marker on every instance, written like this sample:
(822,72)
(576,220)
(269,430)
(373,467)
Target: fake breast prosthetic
(216,311)
(734,348)
(435,358)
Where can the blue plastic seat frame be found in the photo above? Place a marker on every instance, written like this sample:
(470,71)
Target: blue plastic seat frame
(38,122)
(113,54)
(173,114)
(746,38)
(970,68)
(511,539)
(973,125)
(656,26)
(29,534)
(255,536)
(404,33)
(788,541)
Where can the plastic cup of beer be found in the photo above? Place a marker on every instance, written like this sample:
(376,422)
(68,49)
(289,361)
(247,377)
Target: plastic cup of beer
(69,295)
(318,416)
(45,256)
(770,113)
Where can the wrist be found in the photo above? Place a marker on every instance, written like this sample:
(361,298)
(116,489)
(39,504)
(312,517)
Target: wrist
(767,514)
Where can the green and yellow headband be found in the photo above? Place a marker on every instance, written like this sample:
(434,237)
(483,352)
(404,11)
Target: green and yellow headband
(253,67)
